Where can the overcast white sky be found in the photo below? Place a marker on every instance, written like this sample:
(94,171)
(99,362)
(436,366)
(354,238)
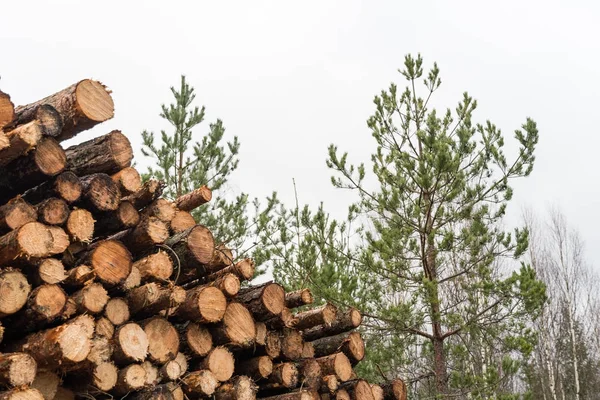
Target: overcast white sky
(289,78)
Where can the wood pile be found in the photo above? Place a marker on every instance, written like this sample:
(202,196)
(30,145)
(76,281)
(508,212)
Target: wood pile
(109,290)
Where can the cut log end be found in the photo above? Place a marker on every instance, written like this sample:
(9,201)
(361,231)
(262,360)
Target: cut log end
(94,101)
(238,325)
(50,157)
(131,343)
(198,339)
(47,383)
(17,369)
(221,363)
(14,290)
(128,179)
(53,211)
(80,225)
(158,266)
(52,271)
(182,220)
(163,340)
(111,262)
(117,311)
(199,383)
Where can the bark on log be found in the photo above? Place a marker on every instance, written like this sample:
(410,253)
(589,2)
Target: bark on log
(240,388)
(52,211)
(199,384)
(297,395)
(394,390)
(17,369)
(117,311)
(47,383)
(128,180)
(155,267)
(284,375)
(237,327)
(63,346)
(66,186)
(130,344)
(358,390)
(151,298)
(46,115)
(336,364)
(95,380)
(91,299)
(159,392)
(100,193)
(47,160)
(7,109)
(291,344)
(148,233)
(197,339)
(105,328)
(16,213)
(130,379)
(273,345)
(81,106)
(256,368)
(21,393)
(263,301)
(14,290)
(21,141)
(194,199)
(123,218)
(162,209)
(80,225)
(310,374)
(32,240)
(351,344)
(181,221)
(344,322)
(64,394)
(150,191)
(194,248)
(202,304)
(110,260)
(298,298)
(107,154)
(163,340)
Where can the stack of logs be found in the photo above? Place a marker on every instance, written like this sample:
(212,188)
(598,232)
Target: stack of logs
(109,290)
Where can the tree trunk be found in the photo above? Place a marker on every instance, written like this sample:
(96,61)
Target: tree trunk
(330,384)
(152,374)
(80,225)
(159,392)
(261,333)
(292,344)
(283,375)
(130,344)
(149,192)
(263,301)
(21,141)
(81,106)
(344,322)
(15,290)
(60,240)
(194,199)
(17,369)
(310,374)
(95,380)
(45,270)
(79,276)
(100,193)
(32,240)
(66,186)
(163,340)
(128,180)
(199,384)
(111,222)
(182,221)
(16,213)
(244,270)
(297,395)
(52,211)
(394,390)
(298,298)
(176,368)
(21,393)
(237,327)
(351,344)
(152,298)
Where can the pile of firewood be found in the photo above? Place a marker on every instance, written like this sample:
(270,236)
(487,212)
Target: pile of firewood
(108,290)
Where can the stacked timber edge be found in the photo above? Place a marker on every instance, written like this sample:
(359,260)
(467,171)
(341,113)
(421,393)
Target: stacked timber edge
(109,290)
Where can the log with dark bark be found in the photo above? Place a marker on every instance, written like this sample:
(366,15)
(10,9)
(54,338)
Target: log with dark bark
(296,395)
(336,364)
(298,298)
(310,374)
(237,327)
(7,109)
(151,298)
(16,213)
(181,221)
(128,180)
(163,340)
(229,284)
(194,248)
(81,106)
(273,344)
(194,199)
(351,344)
(64,394)
(32,240)
(47,160)
(308,351)
(149,232)
(17,369)
(202,304)
(22,393)
(158,392)
(291,344)
(162,209)
(98,379)
(130,344)
(117,311)
(14,290)
(110,260)
(257,368)
(345,321)
(263,301)
(150,191)
(155,267)
(199,384)
(130,379)
(240,388)
(100,193)
(52,211)
(197,339)
(394,390)
(66,186)
(80,225)
(46,115)
(123,218)
(61,347)
(107,154)
(91,299)
(21,141)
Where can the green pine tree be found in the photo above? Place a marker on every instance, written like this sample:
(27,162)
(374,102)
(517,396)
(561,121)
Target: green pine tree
(187,158)
(421,251)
